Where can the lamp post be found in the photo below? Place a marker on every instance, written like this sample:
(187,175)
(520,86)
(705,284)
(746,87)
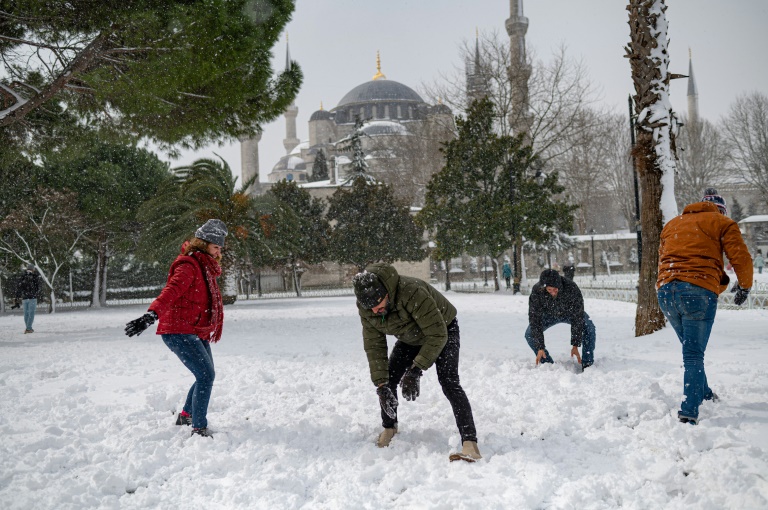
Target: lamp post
(638,226)
(592,234)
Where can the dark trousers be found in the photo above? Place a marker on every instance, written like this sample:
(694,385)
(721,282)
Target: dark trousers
(447,365)
(196,356)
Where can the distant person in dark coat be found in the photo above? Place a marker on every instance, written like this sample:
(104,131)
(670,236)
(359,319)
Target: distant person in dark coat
(557,300)
(569,271)
(27,290)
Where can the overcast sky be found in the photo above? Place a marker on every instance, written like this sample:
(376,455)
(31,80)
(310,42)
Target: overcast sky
(335,43)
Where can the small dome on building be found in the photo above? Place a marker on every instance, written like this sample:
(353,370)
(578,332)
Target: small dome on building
(441,109)
(289,162)
(321,115)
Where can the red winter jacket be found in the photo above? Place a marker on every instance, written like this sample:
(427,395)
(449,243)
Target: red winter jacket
(185,305)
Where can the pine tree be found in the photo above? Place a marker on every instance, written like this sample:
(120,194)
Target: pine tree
(178,72)
(111,182)
(737,211)
(319,168)
(484,199)
(371,225)
(310,237)
(354,143)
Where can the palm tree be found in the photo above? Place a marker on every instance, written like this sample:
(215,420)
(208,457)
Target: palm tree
(196,193)
(653,152)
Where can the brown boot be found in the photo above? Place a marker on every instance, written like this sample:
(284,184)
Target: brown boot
(386,437)
(469,452)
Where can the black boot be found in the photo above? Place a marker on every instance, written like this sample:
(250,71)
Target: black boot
(183,419)
(202,432)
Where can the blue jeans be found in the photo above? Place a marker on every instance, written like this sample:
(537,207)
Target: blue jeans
(691,312)
(29,306)
(196,356)
(588,337)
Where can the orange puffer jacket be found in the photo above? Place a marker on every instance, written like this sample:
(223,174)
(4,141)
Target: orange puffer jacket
(692,246)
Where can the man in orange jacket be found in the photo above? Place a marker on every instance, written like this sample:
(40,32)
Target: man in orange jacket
(691,276)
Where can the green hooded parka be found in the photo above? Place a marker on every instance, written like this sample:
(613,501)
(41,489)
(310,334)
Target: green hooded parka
(417,314)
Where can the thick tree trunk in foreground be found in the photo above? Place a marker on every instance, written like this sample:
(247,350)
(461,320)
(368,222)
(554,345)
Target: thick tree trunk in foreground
(648,317)
(654,160)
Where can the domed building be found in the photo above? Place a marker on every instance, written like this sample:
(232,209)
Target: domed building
(396,124)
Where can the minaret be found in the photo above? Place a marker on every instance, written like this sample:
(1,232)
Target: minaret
(477,87)
(249,160)
(290,142)
(519,69)
(693,93)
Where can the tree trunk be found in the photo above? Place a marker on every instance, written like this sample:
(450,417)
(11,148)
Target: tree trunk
(648,317)
(495,263)
(2,298)
(447,274)
(103,294)
(296,280)
(517,256)
(653,153)
(95,302)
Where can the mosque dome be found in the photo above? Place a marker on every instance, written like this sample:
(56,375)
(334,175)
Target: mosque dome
(380,90)
(290,162)
(321,115)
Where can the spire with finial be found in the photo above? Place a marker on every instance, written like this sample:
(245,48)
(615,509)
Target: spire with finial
(693,93)
(287,54)
(321,105)
(379,75)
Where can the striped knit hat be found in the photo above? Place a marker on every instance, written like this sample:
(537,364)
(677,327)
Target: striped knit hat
(710,195)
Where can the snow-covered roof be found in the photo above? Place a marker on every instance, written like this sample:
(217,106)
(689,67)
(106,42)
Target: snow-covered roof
(759,218)
(384,127)
(322,184)
(605,237)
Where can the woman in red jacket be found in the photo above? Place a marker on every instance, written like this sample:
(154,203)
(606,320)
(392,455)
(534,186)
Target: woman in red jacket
(191,313)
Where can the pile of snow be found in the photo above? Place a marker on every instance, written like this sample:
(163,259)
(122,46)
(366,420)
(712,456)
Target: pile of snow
(87,416)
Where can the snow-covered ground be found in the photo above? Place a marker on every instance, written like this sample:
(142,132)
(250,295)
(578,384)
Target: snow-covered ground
(86,416)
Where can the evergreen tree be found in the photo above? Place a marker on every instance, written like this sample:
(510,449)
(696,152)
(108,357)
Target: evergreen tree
(737,211)
(184,72)
(111,182)
(319,168)
(485,198)
(354,144)
(310,237)
(371,225)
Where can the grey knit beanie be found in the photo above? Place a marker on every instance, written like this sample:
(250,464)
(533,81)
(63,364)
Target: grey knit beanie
(214,231)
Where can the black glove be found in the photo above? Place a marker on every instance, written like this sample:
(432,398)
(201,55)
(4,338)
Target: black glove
(16,304)
(741,295)
(387,400)
(137,326)
(410,383)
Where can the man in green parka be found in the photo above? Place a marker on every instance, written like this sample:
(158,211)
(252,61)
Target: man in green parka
(424,323)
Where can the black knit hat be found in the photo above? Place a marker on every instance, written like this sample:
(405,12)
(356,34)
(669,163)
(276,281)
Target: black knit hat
(213,231)
(368,289)
(551,278)
(710,195)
